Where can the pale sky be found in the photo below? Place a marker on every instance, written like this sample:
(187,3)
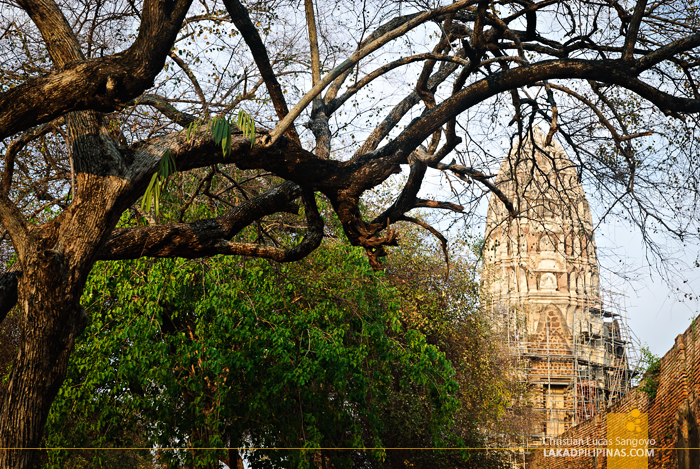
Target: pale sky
(656,313)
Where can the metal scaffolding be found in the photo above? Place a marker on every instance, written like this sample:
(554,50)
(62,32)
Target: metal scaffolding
(570,377)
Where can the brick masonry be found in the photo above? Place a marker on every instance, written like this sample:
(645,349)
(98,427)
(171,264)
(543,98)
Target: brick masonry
(673,415)
(543,283)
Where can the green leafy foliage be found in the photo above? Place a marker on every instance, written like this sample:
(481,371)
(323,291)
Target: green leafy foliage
(325,353)
(192,130)
(238,353)
(246,124)
(166,167)
(650,368)
(221,134)
(221,130)
(444,304)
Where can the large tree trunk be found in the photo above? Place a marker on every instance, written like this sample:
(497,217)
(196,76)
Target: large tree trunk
(51,318)
(56,260)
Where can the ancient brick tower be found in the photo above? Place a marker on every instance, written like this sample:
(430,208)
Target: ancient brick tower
(542,273)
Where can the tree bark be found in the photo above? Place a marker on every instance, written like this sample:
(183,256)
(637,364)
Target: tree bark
(51,319)
(55,260)
(104,84)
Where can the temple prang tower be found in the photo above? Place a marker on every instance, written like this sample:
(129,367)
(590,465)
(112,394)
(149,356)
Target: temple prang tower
(543,278)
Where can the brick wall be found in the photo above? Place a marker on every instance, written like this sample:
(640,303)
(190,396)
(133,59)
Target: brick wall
(673,415)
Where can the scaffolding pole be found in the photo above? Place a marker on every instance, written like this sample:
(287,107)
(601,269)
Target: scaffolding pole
(570,381)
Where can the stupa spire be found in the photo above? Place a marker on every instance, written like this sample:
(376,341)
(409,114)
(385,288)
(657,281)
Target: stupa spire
(542,274)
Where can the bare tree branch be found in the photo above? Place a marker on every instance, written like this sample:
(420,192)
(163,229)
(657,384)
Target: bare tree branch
(633,30)
(356,57)
(240,17)
(104,84)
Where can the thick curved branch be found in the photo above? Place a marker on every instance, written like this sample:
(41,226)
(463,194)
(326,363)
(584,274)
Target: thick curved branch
(351,178)
(613,72)
(347,180)
(284,158)
(211,237)
(200,238)
(105,84)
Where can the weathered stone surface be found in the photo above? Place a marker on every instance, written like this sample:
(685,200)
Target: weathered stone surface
(543,276)
(547,254)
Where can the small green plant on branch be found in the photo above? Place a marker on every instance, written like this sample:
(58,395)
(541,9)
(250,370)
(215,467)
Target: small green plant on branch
(221,134)
(165,168)
(221,130)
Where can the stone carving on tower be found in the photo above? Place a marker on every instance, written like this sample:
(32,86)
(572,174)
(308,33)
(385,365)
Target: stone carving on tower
(543,277)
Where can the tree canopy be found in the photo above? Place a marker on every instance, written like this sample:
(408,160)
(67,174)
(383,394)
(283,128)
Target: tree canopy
(97,97)
(230,353)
